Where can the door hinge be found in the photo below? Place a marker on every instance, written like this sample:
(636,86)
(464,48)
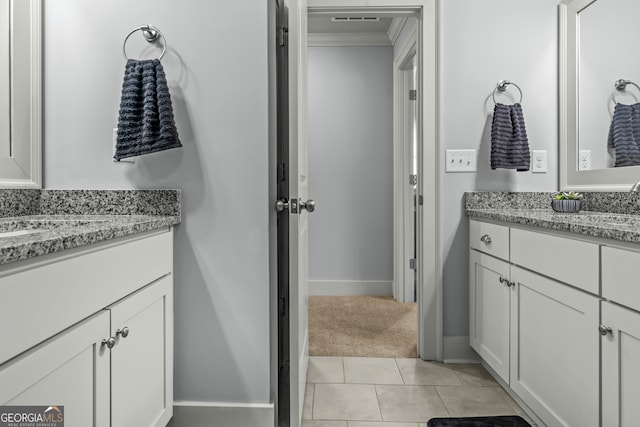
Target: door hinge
(413,179)
(413,95)
(283,36)
(412,264)
(282,307)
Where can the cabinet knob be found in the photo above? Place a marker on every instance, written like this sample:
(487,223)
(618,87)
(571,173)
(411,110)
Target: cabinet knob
(604,330)
(503,280)
(511,283)
(486,239)
(124,332)
(109,343)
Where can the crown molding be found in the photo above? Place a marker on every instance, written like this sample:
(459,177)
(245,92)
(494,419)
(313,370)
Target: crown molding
(397,24)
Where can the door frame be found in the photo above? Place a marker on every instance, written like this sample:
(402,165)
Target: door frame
(404,230)
(429,262)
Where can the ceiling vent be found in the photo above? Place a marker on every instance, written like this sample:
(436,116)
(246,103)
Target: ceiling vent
(355,19)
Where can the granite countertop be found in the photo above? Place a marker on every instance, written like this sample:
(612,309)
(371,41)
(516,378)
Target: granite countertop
(609,215)
(597,224)
(40,222)
(60,232)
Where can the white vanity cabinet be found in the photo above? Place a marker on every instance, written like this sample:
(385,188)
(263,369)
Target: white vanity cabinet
(621,337)
(71,370)
(490,296)
(106,353)
(555,350)
(535,325)
(141,359)
(620,366)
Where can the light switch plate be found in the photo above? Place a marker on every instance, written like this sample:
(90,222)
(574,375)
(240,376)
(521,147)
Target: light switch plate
(460,160)
(539,161)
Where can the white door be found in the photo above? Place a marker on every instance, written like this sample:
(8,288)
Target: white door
(299,214)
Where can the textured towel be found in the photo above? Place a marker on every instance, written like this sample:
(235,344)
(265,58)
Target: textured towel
(624,134)
(145,123)
(509,143)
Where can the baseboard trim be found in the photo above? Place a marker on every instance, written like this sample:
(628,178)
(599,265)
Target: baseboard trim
(350,287)
(458,350)
(219,414)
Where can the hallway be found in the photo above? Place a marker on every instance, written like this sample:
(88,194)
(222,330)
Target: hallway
(386,392)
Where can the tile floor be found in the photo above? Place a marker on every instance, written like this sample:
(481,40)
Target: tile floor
(381,392)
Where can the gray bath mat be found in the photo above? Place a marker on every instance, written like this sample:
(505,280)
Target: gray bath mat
(500,421)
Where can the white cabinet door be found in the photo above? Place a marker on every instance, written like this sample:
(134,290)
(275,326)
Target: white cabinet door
(71,370)
(142,358)
(555,347)
(620,367)
(489,311)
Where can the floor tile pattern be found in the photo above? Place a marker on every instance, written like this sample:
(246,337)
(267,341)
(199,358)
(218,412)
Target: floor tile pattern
(386,392)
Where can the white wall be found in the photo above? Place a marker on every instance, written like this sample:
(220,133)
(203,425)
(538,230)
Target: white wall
(216,65)
(351,163)
(483,42)
(217,70)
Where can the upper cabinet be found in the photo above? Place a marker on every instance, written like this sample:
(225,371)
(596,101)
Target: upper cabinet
(20,94)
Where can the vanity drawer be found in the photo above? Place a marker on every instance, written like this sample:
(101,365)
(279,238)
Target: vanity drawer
(621,276)
(489,238)
(44,296)
(570,261)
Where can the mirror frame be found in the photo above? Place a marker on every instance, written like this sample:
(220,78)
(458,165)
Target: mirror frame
(23,169)
(611,179)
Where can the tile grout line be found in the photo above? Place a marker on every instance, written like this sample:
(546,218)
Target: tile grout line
(313,398)
(446,408)
(395,360)
(375,389)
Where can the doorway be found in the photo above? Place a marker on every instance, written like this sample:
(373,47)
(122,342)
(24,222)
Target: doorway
(428,256)
(359,258)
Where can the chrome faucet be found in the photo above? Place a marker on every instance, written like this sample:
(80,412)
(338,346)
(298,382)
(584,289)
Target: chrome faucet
(635,187)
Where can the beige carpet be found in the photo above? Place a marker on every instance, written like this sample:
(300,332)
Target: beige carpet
(366,326)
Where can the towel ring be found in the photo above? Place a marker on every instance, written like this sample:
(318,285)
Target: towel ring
(151,34)
(502,86)
(621,86)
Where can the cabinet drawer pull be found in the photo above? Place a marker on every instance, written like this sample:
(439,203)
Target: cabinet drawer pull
(511,283)
(109,343)
(486,239)
(124,332)
(605,330)
(503,280)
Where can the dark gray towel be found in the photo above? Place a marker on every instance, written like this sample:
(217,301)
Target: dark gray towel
(145,123)
(509,143)
(624,134)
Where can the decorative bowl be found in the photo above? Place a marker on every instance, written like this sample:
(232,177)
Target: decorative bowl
(566,205)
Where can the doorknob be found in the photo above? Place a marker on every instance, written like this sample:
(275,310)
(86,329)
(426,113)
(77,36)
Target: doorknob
(282,204)
(309,205)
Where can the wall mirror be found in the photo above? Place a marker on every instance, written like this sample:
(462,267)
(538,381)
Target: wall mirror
(596,45)
(20,94)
